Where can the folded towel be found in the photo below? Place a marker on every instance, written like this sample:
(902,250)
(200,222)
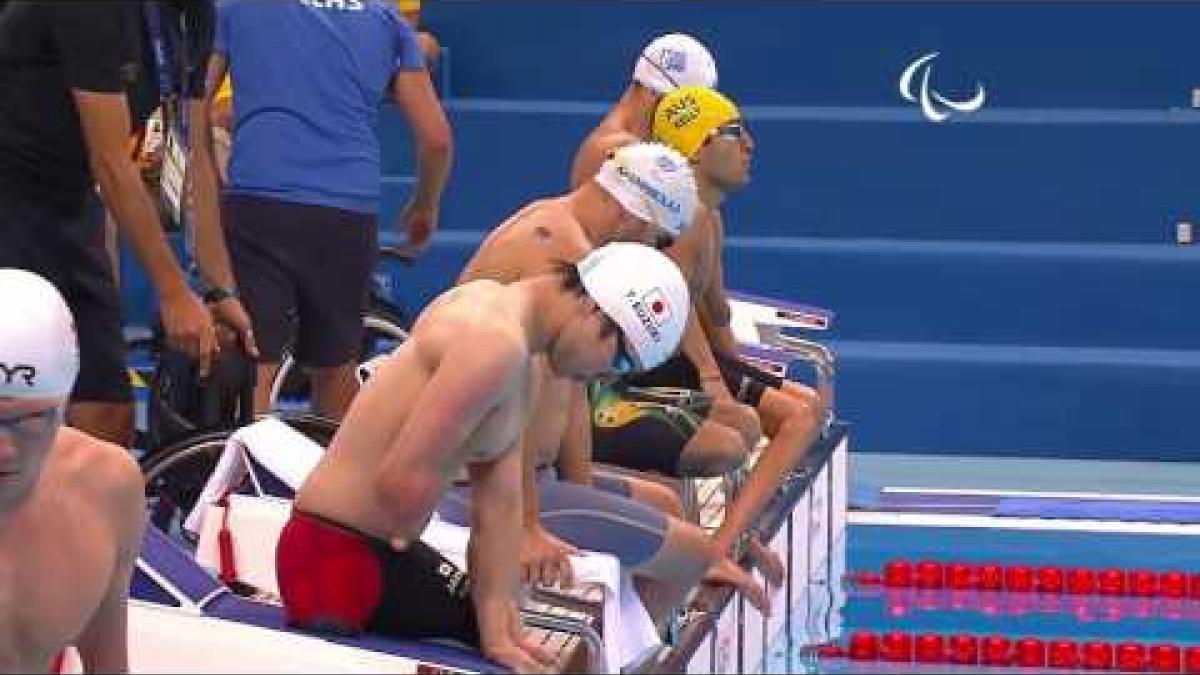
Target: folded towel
(284,452)
(629,629)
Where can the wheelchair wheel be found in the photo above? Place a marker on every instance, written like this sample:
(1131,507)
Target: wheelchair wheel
(175,475)
(383,331)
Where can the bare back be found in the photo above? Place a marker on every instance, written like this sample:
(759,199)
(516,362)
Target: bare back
(67,552)
(478,317)
(527,244)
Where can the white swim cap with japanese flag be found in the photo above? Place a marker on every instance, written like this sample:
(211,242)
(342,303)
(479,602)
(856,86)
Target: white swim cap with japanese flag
(653,182)
(643,291)
(39,352)
(675,60)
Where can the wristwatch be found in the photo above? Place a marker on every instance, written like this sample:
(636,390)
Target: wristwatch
(217,294)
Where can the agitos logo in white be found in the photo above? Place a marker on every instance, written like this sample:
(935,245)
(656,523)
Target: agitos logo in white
(935,106)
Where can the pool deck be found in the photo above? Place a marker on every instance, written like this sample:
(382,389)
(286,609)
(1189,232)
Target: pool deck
(888,470)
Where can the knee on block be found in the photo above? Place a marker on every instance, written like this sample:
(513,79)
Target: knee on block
(715,450)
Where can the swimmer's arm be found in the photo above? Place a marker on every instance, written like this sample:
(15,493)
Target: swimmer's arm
(469,383)
(696,348)
(594,152)
(103,643)
(530,499)
(104,119)
(713,303)
(719,331)
(494,551)
(413,93)
(575,459)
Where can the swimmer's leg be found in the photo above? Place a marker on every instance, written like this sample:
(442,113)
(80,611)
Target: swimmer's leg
(792,422)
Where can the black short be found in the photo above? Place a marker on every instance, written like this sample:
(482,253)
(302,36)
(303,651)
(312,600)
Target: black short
(745,382)
(337,579)
(313,261)
(640,431)
(67,248)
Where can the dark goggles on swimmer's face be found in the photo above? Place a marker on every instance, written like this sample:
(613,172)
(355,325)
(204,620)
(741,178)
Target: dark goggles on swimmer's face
(733,130)
(31,424)
(623,363)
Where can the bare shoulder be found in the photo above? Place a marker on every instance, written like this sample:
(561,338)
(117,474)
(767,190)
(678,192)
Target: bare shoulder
(105,474)
(561,231)
(475,321)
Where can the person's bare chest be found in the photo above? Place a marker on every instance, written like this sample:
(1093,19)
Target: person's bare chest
(52,578)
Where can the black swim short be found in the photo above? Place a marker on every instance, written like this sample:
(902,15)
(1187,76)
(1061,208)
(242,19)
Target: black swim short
(643,430)
(745,382)
(333,578)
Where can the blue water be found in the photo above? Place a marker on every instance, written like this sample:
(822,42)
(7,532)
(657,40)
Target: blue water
(984,613)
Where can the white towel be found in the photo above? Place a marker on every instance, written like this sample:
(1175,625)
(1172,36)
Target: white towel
(257,522)
(290,456)
(628,627)
(286,453)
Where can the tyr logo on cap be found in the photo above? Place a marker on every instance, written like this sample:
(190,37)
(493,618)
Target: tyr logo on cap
(20,370)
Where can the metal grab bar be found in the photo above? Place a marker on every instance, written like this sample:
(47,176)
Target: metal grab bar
(822,358)
(595,644)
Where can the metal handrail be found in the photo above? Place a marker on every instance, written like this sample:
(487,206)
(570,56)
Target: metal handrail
(821,357)
(595,644)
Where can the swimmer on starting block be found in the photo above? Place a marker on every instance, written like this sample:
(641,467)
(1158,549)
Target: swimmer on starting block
(718,441)
(459,392)
(708,129)
(665,63)
(627,199)
(72,507)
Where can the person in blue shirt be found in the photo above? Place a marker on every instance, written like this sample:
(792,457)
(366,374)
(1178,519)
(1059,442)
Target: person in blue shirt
(302,197)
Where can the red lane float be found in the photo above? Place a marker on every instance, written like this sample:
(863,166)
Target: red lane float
(1022,652)
(934,574)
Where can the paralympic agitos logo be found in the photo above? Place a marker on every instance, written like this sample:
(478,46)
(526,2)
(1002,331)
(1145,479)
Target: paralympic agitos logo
(934,106)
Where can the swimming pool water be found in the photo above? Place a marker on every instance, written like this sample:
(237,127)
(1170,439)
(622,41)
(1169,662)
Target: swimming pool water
(852,606)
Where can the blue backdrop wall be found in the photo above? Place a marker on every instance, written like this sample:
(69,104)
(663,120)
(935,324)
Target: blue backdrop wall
(1006,281)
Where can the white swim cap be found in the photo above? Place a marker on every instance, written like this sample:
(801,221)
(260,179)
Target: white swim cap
(675,60)
(653,182)
(39,353)
(643,291)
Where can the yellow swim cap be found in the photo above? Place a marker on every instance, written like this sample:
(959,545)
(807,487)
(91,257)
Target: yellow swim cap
(685,117)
